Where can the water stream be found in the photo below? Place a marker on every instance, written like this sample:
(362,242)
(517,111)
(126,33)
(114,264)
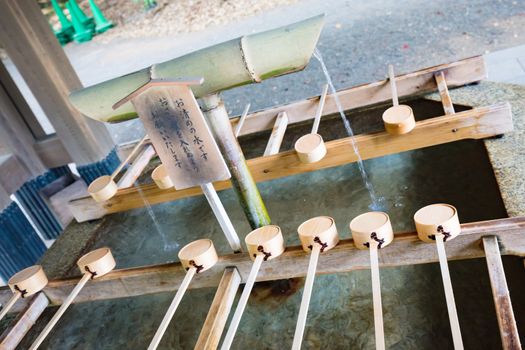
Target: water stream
(377,202)
(167,245)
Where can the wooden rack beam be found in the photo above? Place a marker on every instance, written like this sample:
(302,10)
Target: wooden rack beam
(220,309)
(406,249)
(510,338)
(458,73)
(14,334)
(476,123)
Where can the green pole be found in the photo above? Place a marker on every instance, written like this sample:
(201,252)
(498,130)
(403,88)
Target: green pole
(67,28)
(74,9)
(82,32)
(102,24)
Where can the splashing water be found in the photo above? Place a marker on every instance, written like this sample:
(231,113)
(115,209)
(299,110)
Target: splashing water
(167,246)
(376,201)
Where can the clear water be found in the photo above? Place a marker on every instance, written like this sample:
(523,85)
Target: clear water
(167,245)
(377,202)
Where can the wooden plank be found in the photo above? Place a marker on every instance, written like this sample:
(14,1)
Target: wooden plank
(476,123)
(133,172)
(31,44)
(13,335)
(52,152)
(213,327)
(20,102)
(406,249)
(276,138)
(417,83)
(15,134)
(441,82)
(510,338)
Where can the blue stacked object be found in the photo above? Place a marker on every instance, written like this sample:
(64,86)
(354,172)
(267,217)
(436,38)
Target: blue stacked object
(104,167)
(20,245)
(29,196)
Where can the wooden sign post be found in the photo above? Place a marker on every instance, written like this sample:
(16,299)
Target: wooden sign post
(195,257)
(104,187)
(264,243)
(177,128)
(310,148)
(23,284)
(373,231)
(93,265)
(317,235)
(440,223)
(398,119)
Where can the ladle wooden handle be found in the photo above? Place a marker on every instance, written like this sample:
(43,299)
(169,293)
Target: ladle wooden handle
(222,216)
(173,307)
(320,106)
(376,295)
(9,304)
(241,120)
(449,294)
(228,339)
(61,310)
(305,300)
(393,86)
(128,158)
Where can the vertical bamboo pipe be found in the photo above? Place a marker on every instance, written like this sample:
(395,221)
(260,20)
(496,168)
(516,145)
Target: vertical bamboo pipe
(242,180)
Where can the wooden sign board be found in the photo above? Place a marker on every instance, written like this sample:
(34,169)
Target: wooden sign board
(181,137)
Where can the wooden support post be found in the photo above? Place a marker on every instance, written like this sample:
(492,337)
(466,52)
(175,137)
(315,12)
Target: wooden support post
(213,327)
(510,338)
(448,107)
(406,249)
(476,123)
(31,44)
(12,336)
(276,138)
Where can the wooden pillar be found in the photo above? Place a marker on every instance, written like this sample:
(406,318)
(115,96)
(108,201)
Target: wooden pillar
(31,44)
(510,338)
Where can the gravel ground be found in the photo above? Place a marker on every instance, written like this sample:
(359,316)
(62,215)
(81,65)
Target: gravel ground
(171,17)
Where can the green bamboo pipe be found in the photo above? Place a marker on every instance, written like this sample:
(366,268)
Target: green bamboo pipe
(242,179)
(245,60)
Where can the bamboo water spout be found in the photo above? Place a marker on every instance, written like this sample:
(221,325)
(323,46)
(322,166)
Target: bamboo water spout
(245,60)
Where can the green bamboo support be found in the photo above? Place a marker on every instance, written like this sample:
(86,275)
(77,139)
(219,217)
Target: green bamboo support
(242,180)
(101,23)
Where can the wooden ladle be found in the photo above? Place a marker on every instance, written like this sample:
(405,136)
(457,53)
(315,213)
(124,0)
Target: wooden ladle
(23,284)
(93,265)
(317,235)
(398,119)
(105,187)
(264,243)
(373,231)
(310,148)
(196,257)
(439,223)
